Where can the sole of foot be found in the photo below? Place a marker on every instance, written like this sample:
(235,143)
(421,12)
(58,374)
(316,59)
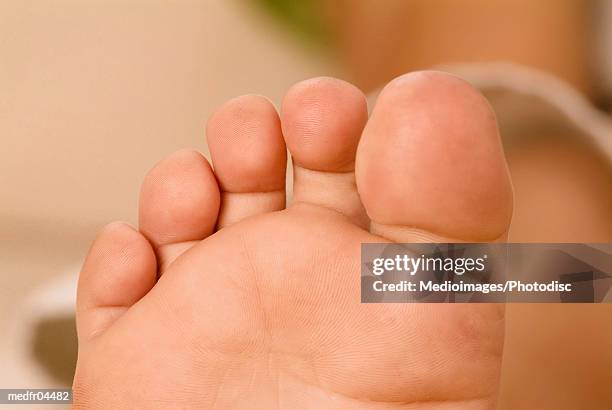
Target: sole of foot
(226,298)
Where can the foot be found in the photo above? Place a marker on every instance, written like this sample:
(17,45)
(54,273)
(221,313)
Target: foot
(227,299)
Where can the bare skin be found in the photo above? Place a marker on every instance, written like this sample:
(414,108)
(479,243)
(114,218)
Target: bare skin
(257,305)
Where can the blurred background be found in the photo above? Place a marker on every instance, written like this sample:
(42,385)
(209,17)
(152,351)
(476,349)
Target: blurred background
(93,93)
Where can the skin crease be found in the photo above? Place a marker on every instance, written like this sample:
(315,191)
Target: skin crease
(265,312)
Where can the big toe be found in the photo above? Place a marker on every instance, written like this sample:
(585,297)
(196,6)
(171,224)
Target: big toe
(430,164)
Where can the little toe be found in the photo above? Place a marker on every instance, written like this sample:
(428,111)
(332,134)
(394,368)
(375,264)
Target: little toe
(249,157)
(322,120)
(430,165)
(119,270)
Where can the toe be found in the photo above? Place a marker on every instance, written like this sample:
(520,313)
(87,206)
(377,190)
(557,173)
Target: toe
(249,156)
(179,204)
(430,165)
(119,270)
(322,120)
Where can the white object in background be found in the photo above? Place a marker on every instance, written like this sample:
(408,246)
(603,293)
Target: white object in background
(55,298)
